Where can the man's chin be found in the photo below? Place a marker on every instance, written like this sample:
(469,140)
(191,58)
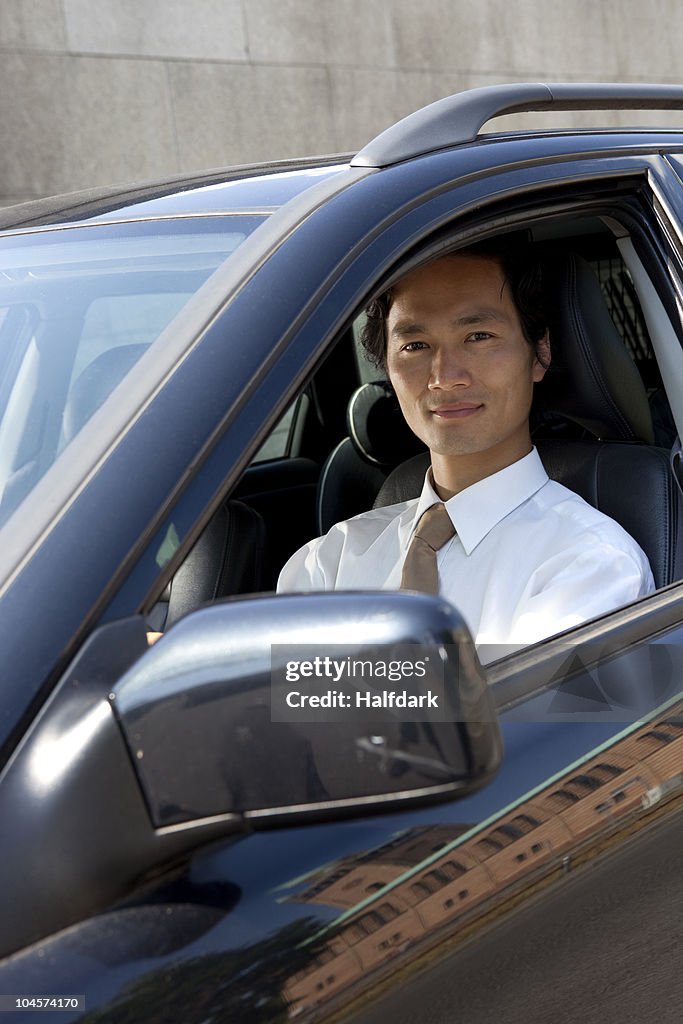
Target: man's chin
(456,442)
(456,449)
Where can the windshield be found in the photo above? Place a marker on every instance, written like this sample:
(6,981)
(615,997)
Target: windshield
(78,308)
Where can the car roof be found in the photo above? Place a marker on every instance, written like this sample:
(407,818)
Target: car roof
(252,188)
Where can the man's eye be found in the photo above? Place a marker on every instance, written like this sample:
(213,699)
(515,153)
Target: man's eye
(479,336)
(413,346)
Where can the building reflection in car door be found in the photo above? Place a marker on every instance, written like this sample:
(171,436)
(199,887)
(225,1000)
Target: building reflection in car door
(472,877)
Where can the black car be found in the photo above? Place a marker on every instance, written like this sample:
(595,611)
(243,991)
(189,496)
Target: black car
(183,403)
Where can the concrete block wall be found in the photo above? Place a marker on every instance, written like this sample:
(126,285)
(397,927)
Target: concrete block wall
(99,91)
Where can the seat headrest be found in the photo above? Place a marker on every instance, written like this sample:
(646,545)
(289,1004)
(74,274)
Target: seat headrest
(592,379)
(96,383)
(377,428)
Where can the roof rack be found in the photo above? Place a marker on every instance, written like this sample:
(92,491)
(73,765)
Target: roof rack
(458,119)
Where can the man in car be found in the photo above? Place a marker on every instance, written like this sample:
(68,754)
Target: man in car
(464,340)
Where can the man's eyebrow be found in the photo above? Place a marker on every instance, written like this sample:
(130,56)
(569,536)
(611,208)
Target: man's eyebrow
(405,328)
(479,316)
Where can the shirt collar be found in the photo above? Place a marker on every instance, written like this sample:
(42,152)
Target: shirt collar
(476,510)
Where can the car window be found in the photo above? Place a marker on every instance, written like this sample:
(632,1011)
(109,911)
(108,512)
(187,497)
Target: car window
(279,442)
(593,243)
(297,499)
(79,306)
(110,323)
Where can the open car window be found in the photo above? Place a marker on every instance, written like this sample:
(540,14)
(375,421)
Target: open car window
(289,482)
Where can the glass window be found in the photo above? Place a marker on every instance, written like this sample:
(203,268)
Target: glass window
(524,823)
(79,306)
(562,798)
(387,911)
(654,739)
(487,847)
(584,783)
(605,772)
(110,323)
(507,834)
(278,443)
(453,869)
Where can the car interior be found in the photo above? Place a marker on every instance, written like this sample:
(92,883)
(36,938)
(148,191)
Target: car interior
(601,421)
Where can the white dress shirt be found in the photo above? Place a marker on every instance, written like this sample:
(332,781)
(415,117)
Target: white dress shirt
(530,558)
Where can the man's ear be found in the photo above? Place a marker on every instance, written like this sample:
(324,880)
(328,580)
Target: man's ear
(543,358)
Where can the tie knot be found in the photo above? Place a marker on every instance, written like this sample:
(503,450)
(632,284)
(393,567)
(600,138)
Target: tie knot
(435,527)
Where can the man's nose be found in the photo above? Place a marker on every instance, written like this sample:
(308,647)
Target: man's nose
(449,369)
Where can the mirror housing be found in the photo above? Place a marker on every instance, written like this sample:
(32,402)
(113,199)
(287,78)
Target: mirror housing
(218,722)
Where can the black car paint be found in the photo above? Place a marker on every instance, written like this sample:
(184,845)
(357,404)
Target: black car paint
(213,935)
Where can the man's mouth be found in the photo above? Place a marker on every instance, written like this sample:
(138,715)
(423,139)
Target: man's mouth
(457,411)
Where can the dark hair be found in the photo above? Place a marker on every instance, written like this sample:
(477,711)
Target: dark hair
(522,270)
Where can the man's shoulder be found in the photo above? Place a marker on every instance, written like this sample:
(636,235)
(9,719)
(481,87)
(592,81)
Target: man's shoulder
(379,531)
(577,516)
(375,520)
(352,552)
(555,498)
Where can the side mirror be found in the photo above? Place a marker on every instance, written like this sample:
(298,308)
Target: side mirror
(213,729)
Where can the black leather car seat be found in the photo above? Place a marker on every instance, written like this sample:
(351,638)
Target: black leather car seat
(228,559)
(379,439)
(594,385)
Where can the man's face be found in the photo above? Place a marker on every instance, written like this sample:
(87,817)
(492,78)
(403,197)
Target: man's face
(461,367)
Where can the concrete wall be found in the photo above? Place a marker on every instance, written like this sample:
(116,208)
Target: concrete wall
(99,91)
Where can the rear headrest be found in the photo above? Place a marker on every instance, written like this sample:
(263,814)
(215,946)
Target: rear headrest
(592,380)
(377,428)
(96,383)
